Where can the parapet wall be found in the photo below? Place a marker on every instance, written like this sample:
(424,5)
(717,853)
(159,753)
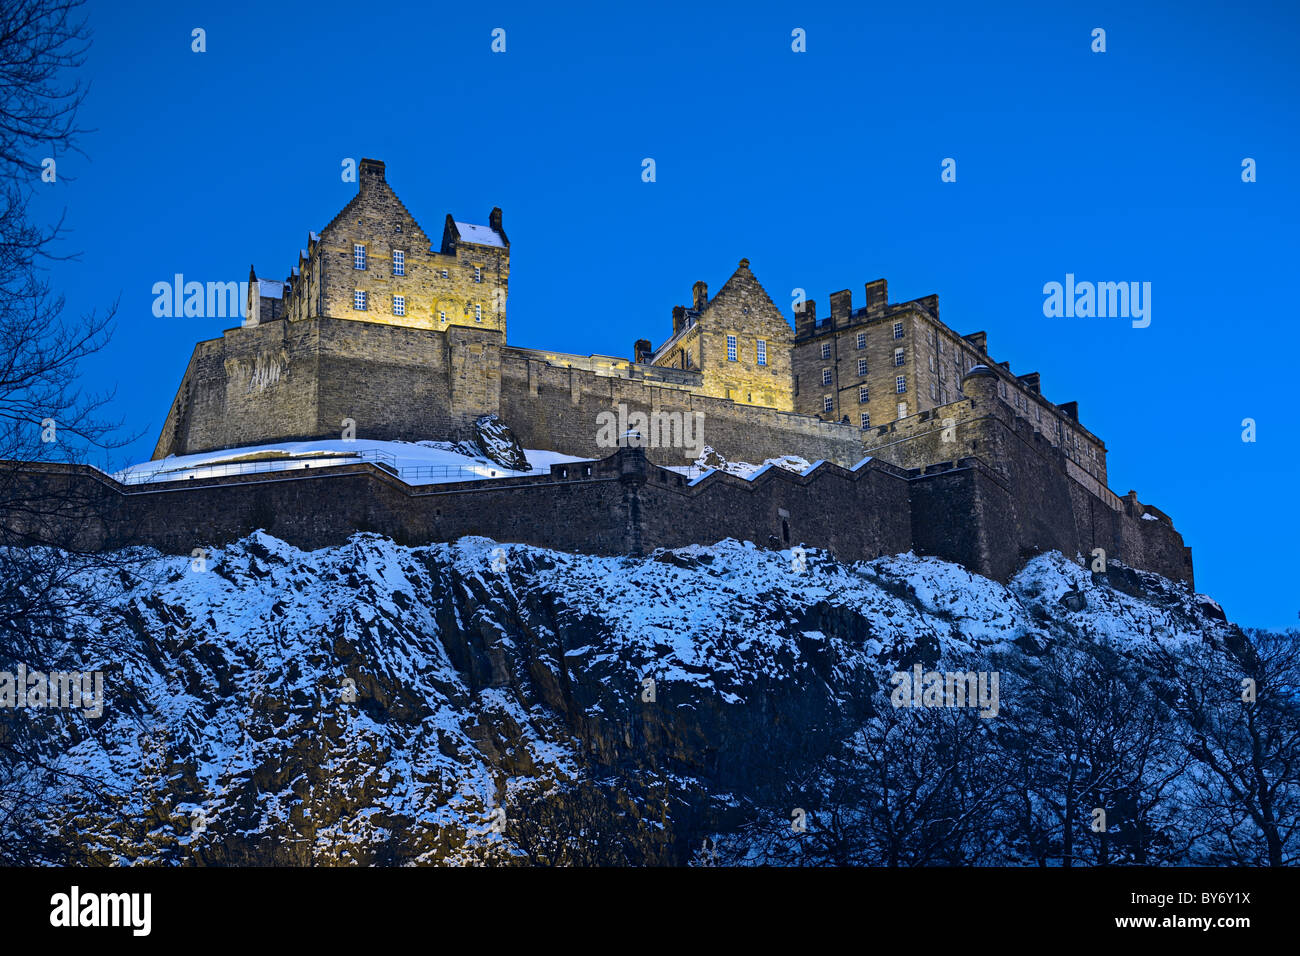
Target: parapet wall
(962,511)
(558,407)
(293,381)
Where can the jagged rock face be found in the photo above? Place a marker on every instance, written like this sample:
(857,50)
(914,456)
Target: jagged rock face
(377,704)
(499,444)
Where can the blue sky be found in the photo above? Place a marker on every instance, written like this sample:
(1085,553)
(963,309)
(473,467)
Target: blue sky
(823,168)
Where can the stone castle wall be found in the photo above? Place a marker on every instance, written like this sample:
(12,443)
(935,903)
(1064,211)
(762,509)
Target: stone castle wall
(961,511)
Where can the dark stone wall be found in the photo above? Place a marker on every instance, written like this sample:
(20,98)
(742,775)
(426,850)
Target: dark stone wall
(558,408)
(963,511)
(856,515)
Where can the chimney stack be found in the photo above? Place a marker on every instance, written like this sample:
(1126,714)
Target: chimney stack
(841,306)
(806,319)
(877,295)
(700,295)
(372,170)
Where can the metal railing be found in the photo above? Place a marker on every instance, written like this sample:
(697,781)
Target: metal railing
(467,471)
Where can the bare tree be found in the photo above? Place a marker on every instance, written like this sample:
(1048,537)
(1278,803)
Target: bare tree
(1243,708)
(50,594)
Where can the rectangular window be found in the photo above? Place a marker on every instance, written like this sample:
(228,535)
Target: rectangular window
(826,376)
(358,256)
(478,312)
(828,403)
(898,330)
(442,315)
(862,340)
(866,420)
(826,350)
(444,273)
(731,348)
(399,305)
(358,299)
(898,356)
(478,273)
(399,262)
(934,391)
(931,363)
(762,352)
(902,409)
(862,395)
(900,384)
(862,366)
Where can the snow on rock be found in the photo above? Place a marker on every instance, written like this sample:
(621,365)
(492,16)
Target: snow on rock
(373,703)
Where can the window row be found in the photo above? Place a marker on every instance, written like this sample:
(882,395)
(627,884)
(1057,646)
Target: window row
(399,262)
(361,302)
(760,353)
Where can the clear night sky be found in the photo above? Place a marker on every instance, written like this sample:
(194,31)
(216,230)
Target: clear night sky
(823,168)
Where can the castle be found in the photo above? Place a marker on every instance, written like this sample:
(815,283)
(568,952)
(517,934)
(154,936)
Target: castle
(923,441)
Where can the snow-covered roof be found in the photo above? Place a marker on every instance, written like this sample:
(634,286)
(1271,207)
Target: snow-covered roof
(483,235)
(418,463)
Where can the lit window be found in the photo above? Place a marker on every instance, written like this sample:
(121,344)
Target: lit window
(828,403)
(826,376)
(478,273)
(866,420)
(862,340)
(358,256)
(399,262)
(898,356)
(762,352)
(731,348)
(862,395)
(399,305)
(862,366)
(826,350)
(900,384)
(358,299)
(898,330)
(902,409)
(478,312)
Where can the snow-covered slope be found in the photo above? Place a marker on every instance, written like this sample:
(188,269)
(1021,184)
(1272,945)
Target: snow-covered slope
(372,703)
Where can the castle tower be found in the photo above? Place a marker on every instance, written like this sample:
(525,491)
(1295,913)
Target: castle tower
(738,340)
(373,262)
